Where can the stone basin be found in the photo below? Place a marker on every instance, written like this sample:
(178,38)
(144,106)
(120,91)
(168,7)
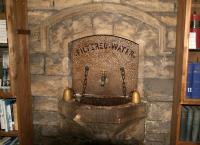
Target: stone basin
(106,122)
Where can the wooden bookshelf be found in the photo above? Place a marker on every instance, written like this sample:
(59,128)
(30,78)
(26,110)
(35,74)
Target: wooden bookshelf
(19,69)
(183,57)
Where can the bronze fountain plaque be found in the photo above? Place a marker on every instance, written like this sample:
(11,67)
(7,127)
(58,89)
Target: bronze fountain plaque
(104,55)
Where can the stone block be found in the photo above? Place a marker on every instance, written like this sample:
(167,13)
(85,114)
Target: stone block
(150,38)
(56,64)
(109,1)
(171,39)
(103,24)
(36,17)
(46,118)
(169,19)
(45,103)
(126,27)
(155,137)
(37,63)
(151,5)
(167,139)
(160,98)
(56,34)
(81,24)
(50,130)
(153,143)
(159,67)
(36,134)
(56,4)
(37,39)
(158,87)
(158,126)
(52,86)
(159,111)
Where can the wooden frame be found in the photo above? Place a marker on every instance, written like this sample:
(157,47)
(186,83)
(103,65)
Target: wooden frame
(16,16)
(180,77)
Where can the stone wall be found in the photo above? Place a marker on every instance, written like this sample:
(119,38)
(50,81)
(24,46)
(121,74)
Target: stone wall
(150,23)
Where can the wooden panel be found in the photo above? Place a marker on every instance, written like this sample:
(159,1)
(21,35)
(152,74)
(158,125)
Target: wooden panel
(19,67)
(184,13)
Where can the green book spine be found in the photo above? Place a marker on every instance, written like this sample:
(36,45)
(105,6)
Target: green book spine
(189,123)
(183,127)
(196,123)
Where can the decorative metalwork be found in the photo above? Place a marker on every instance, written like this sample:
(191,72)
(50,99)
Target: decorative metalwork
(107,53)
(122,70)
(85,80)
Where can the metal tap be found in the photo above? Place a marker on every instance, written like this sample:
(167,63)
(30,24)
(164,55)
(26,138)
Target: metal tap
(103,78)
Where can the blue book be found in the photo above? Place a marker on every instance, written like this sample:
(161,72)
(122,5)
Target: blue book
(189,80)
(196,81)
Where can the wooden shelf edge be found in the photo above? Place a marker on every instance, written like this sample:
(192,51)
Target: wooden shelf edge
(194,50)
(6,94)
(187,101)
(188,143)
(9,133)
(196,5)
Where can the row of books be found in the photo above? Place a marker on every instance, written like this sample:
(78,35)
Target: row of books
(193,81)
(3,32)
(190,124)
(8,115)
(4,69)
(9,141)
(1,6)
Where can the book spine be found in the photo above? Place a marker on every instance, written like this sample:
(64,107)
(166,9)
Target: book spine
(189,123)
(196,123)
(189,80)
(184,117)
(9,115)
(15,116)
(5,116)
(2,115)
(196,81)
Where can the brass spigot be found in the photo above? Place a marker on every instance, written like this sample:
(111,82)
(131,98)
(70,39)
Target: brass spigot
(103,78)
(135,97)
(68,94)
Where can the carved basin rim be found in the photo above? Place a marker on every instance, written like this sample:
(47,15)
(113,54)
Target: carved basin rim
(103,100)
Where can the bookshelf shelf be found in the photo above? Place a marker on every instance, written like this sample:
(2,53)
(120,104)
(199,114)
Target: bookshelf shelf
(6,94)
(190,102)
(185,116)
(10,133)
(187,143)
(194,50)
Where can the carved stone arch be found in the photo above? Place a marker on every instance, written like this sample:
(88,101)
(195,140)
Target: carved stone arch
(107,8)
